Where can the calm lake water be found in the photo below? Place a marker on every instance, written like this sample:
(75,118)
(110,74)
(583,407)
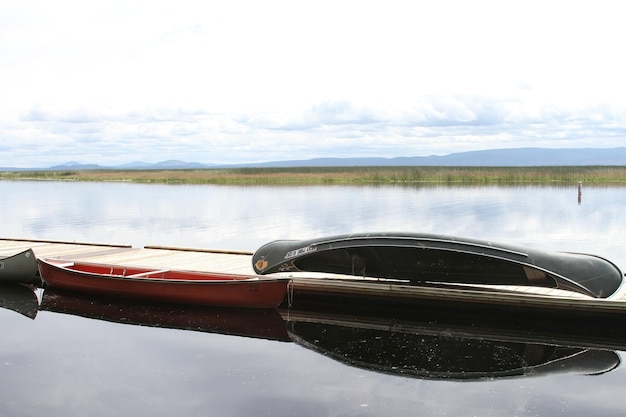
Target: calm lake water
(93,359)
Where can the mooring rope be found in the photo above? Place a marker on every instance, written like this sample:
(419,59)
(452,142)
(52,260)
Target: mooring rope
(290,293)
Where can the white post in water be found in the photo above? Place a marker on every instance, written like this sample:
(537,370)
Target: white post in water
(580,192)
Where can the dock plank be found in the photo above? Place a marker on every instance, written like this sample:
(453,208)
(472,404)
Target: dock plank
(44,249)
(198,261)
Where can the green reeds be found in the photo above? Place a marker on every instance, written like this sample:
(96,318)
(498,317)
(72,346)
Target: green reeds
(606,175)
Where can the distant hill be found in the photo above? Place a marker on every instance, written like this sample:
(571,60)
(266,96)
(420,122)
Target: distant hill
(525,157)
(73,165)
(169,164)
(494,157)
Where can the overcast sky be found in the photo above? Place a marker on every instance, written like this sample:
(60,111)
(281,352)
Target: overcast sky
(111,82)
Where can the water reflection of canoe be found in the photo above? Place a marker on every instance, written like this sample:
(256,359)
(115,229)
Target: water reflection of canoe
(20,267)
(256,323)
(19,298)
(423,258)
(185,287)
(433,352)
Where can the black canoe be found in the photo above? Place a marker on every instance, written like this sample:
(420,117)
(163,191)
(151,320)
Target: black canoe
(424,258)
(19,268)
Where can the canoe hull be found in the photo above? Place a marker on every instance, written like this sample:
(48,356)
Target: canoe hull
(19,268)
(182,287)
(422,258)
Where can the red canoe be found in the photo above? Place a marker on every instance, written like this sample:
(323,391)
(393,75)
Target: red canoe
(185,287)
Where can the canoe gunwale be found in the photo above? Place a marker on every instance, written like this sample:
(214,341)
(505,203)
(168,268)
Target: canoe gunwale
(411,242)
(144,276)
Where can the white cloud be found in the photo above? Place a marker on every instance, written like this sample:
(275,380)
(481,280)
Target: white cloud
(247,80)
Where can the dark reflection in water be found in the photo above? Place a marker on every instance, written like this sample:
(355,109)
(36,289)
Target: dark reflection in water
(445,357)
(258,323)
(85,355)
(413,349)
(19,298)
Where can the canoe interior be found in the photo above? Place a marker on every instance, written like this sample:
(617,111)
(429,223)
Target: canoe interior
(116,271)
(420,265)
(172,286)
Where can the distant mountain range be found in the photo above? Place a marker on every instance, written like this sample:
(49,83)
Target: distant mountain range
(494,157)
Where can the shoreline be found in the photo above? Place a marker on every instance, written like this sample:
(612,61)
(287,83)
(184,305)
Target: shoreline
(564,175)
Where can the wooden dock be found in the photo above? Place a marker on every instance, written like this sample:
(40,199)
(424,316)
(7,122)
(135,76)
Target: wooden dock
(149,256)
(333,289)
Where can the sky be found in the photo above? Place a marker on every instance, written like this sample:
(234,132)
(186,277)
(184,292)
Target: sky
(111,82)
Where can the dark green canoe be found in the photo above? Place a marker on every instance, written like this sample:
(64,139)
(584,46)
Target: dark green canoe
(19,268)
(424,258)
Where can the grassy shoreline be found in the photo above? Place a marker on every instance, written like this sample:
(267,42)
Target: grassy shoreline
(600,175)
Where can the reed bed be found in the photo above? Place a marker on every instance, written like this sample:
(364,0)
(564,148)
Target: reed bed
(343,175)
